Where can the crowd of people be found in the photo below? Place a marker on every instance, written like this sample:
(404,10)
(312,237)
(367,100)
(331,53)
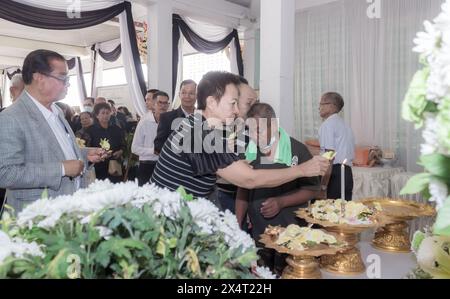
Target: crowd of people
(221,143)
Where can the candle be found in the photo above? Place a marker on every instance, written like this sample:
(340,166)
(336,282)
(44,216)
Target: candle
(343,179)
(343,188)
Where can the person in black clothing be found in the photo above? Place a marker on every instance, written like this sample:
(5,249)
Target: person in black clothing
(170,120)
(102,129)
(272,148)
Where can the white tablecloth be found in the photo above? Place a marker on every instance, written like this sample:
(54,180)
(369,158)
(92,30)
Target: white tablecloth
(373,181)
(391,265)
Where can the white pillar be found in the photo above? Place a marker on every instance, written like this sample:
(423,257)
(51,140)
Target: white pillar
(250,56)
(159,45)
(277,58)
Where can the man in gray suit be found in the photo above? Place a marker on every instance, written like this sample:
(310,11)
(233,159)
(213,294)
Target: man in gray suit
(38,150)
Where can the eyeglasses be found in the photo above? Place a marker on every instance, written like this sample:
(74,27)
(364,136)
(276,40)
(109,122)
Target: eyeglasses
(163,103)
(64,79)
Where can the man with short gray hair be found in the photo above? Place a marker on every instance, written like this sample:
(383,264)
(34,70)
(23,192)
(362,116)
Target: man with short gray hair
(16,87)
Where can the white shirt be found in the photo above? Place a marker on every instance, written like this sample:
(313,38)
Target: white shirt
(335,134)
(62,136)
(144,138)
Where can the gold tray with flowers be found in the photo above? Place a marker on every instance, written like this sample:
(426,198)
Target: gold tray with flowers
(303,245)
(348,220)
(394,235)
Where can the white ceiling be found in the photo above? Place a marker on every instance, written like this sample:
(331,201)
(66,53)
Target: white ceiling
(245,3)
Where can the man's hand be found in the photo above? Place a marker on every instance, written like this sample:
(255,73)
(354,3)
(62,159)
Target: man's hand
(97,155)
(73,168)
(271,207)
(316,166)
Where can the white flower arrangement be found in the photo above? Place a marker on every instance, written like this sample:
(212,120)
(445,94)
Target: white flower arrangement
(83,207)
(428,103)
(342,212)
(300,238)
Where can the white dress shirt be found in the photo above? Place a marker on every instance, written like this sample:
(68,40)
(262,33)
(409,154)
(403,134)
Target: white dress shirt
(335,134)
(60,132)
(144,138)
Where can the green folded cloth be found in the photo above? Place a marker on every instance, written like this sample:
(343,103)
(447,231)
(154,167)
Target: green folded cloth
(283,154)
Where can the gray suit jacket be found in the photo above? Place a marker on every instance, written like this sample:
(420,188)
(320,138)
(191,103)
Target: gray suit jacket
(30,155)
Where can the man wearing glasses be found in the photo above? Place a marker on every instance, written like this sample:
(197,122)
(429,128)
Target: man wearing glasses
(144,138)
(38,150)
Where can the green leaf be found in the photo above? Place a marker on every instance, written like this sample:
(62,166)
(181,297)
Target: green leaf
(44,194)
(437,164)
(442,225)
(419,236)
(184,194)
(416,184)
(415,102)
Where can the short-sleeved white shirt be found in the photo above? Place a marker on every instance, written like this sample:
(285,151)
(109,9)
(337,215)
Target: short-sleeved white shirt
(335,134)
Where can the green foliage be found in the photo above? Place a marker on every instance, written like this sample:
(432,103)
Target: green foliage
(140,245)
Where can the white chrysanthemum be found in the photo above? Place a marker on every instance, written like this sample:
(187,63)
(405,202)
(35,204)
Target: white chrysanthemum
(264,273)
(426,42)
(442,21)
(17,247)
(234,236)
(430,135)
(439,192)
(104,232)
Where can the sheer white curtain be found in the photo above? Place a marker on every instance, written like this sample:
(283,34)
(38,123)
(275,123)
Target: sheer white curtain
(369,61)
(137,98)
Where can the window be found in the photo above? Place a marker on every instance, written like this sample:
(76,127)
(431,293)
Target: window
(73,97)
(198,64)
(116,76)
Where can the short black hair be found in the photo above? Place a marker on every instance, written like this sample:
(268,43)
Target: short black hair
(86,112)
(112,103)
(101,106)
(38,61)
(187,82)
(336,98)
(261,110)
(214,84)
(152,91)
(161,94)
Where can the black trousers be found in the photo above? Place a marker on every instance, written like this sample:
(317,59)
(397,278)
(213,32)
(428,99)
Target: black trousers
(2,200)
(334,185)
(145,171)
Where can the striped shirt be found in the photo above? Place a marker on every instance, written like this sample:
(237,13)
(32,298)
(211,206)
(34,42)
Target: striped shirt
(186,161)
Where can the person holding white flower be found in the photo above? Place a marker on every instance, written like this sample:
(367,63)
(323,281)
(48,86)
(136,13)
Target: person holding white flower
(38,150)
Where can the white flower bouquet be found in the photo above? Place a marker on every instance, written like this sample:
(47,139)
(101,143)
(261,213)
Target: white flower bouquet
(125,231)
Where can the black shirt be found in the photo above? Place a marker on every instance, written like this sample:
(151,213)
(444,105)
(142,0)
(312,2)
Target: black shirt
(257,196)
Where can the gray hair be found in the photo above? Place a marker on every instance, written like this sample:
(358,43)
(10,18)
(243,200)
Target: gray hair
(17,80)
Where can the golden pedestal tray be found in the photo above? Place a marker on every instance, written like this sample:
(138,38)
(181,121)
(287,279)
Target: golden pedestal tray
(394,236)
(302,264)
(348,262)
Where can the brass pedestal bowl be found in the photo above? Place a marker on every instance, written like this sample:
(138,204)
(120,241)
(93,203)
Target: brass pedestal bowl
(349,261)
(303,264)
(394,236)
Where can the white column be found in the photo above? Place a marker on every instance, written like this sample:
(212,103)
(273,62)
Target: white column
(159,45)
(250,56)
(277,58)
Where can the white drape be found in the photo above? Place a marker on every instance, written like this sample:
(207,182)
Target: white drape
(65,5)
(81,88)
(136,95)
(214,33)
(369,61)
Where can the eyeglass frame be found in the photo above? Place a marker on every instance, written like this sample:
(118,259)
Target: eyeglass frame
(66,79)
